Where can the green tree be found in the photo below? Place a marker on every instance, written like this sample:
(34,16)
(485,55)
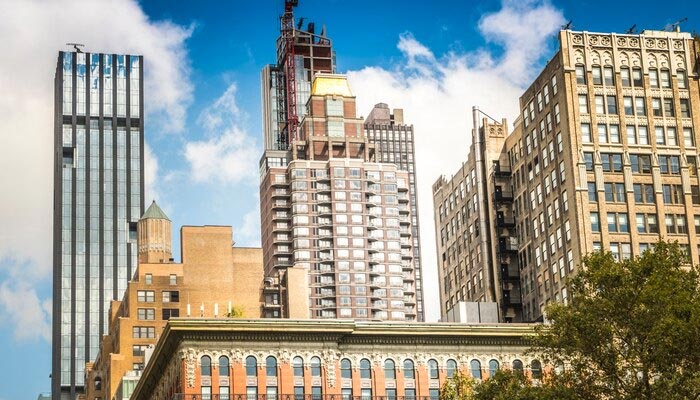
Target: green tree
(505,385)
(459,387)
(632,329)
(236,312)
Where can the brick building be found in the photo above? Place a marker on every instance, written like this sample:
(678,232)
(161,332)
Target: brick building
(213,279)
(227,358)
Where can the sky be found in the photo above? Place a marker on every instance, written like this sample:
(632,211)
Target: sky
(434,59)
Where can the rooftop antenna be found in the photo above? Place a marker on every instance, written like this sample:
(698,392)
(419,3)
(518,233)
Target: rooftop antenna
(632,30)
(76,46)
(567,26)
(301,22)
(674,26)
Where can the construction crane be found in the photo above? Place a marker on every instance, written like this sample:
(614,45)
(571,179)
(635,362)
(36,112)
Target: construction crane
(674,26)
(287,33)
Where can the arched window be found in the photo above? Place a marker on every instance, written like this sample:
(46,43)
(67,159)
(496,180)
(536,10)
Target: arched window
(518,367)
(98,383)
(536,368)
(451,368)
(493,368)
(476,369)
(345,369)
(251,366)
(365,372)
(408,370)
(298,364)
(271,366)
(315,366)
(389,369)
(206,366)
(223,366)
(433,369)
(559,368)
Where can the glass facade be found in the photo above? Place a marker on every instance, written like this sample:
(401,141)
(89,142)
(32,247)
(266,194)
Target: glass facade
(99,198)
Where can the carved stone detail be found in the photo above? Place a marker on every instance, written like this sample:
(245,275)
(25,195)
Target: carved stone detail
(678,45)
(577,39)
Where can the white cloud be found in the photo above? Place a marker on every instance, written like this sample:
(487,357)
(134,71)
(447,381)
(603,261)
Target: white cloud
(33,32)
(249,232)
(228,154)
(28,315)
(437,94)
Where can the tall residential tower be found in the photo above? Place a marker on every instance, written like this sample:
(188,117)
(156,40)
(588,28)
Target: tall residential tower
(98,198)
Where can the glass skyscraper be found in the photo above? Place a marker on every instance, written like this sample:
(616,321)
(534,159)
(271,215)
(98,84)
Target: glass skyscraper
(98,198)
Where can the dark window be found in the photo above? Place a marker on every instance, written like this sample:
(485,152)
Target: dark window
(625,77)
(98,383)
(597,75)
(251,366)
(408,370)
(669,164)
(614,192)
(223,366)
(668,108)
(612,104)
(299,393)
(536,368)
(592,192)
(391,394)
(580,75)
(685,108)
(609,76)
(206,366)
(612,162)
(171,296)
(170,313)
(641,163)
(365,372)
(271,366)
(643,193)
(345,369)
(518,367)
(410,394)
(588,159)
(637,80)
(389,369)
(434,394)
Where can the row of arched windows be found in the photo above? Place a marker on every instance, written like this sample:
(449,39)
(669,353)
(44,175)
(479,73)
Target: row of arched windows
(251,367)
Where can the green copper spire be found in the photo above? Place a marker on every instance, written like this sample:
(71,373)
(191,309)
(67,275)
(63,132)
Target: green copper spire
(154,212)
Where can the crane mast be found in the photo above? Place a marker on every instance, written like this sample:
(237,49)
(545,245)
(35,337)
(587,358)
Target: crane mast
(289,133)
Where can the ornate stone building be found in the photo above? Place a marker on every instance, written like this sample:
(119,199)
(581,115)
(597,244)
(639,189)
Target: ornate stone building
(206,358)
(603,156)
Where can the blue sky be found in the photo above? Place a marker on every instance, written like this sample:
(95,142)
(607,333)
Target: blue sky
(435,59)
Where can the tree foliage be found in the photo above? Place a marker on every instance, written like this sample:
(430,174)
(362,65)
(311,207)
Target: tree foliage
(632,328)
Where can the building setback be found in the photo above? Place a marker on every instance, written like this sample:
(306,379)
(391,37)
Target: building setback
(336,224)
(205,358)
(214,279)
(98,197)
(393,141)
(603,156)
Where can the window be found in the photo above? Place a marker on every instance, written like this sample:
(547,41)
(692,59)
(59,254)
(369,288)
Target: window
(409,394)
(608,76)
(149,279)
(595,222)
(596,74)
(668,108)
(138,350)
(433,369)
(681,79)
(612,104)
(554,84)
(665,78)
(451,368)
(536,369)
(145,332)
(592,192)
(408,370)
(146,296)
(643,193)
(640,108)
(688,139)
(673,194)
(173,279)
(637,80)
(298,366)
(389,369)
(653,78)
(224,393)
(251,366)
(206,392)
(315,365)
(271,366)
(676,224)
(625,77)
(583,104)
(586,133)
(614,192)
(171,296)
(271,393)
(641,163)
(656,107)
(611,162)
(602,133)
(365,371)
(334,107)
(475,366)
(146,313)
(251,392)
(599,104)
(685,108)
(588,159)
(493,368)
(391,394)
(206,366)
(434,394)
(628,105)
(518,367)
(168,313)
(647,223)
(669,164)
(98,383)
(617,222)
(580,75)
(223,366)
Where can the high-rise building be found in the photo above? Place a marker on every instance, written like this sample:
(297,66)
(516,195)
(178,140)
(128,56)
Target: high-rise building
(394,143)
(98,198)
(335,221)
(473,223)
(604,156)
